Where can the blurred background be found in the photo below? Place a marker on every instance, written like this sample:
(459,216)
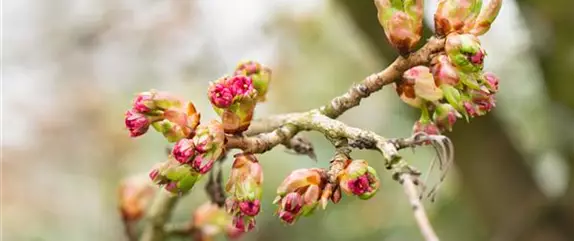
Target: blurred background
(71,68)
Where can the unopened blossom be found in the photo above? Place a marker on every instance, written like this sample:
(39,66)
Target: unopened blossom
(234,99)
(299,193)
(402,22)
(443,71)
(168,114)
(259,74)
(244,187)
(445,116)
(135,193)
(465,52)
(453,15)
(171,131)
(486,17)
(241,85)
(244,223)
(209,144)
(183,150)
(491,82)
(136,123)
(426,125)
(175,177)
(144,102)
(359,179)
(220,95)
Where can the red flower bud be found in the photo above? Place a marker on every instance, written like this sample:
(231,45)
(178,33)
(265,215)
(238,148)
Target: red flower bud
(144,103)
(445,116)
(443,71)
(250,208)
(220,95)
(260,75)
(292,202)
(240,85)
(243,223)
(299,193)
(465,52)
(359,179)
(470,109)
(287,217)
(491,82)
(136,123)
(427,127)
(183,150)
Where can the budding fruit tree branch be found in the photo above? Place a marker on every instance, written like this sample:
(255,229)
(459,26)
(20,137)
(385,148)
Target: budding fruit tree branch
(267,133)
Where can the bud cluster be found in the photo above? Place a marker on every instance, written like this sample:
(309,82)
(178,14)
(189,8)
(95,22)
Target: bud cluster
(190,159)
(300,193)
(244,185)
(168,114)
(234,97)
(454,86)
(203,149)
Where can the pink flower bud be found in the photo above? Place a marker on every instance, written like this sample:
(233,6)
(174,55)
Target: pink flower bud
(454,15)
(445,116)
(292,202)
(260,75)
(244,223)
(144,103)
(299,193)
(183,150)
(402,22)
(171,131)
(220,95)
(491,82)
(250,208)
(359,179)
(209,143)
(287,217)
(470,109)
(245,179)
(172,187)
(427,127)
(136,123)
(336,196)
(241,85)
(154,175)
(233,233)
(465,52)
(443,71)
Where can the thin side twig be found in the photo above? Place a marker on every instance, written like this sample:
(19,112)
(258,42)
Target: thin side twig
(420,215)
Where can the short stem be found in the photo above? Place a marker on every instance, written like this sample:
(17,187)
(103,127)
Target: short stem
(159,213)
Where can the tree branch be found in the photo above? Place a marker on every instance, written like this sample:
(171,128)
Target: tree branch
(265,134)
